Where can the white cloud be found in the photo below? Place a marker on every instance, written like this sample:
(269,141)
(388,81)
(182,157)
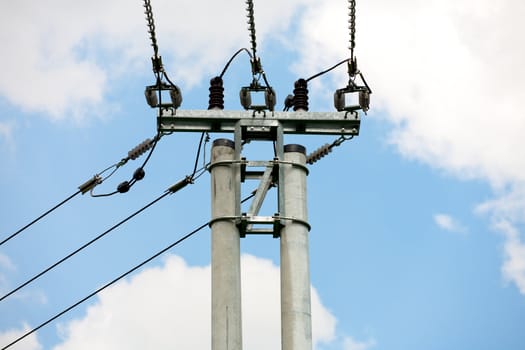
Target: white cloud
(169,306)
(449,77)
(56,65)
(28,343)
(507,215)
(352,344)
(513,268)
(435,78)
(448,223)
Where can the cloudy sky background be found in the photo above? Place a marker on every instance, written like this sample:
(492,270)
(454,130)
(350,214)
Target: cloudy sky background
(418,237)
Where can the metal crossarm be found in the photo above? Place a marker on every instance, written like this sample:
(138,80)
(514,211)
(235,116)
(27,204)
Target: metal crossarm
(314,123)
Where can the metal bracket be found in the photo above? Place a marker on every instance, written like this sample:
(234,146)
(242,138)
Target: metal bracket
(246,223)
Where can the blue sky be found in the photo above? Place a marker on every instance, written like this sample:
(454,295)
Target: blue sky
(418,231)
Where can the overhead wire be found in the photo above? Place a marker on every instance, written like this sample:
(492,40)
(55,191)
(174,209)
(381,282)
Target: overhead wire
(198,155)
(136,267)
(84,246)
(196,173)
(13,235)
(91,184)
(327,70)
(232,58)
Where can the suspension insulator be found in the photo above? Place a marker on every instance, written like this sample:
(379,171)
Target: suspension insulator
(216,93)
(319,153)
(300,95)
(140,149)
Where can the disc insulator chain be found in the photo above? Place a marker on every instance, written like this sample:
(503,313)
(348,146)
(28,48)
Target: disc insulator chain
(325,149)
(151,27)
(319,153)
(251,23)
(140,149)
(351,26)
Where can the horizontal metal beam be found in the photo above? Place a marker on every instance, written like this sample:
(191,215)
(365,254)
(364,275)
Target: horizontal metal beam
(316,123)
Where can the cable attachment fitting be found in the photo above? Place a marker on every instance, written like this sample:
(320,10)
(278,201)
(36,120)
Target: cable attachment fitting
(180,185)
(156,63)
(354,96)
(251,98)
(216,93)
(153,94)
(90,184)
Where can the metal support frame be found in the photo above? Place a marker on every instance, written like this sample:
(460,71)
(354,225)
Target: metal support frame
(287,171)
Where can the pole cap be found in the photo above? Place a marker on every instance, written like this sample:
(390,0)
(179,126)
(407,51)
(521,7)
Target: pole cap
(224,142)
(295,148)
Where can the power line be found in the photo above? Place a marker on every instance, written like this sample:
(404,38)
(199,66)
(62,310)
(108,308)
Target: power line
(107,285)
(96,180)
(133,154)
(40,217)
(179,185)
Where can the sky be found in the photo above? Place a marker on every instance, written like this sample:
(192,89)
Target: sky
(418,224)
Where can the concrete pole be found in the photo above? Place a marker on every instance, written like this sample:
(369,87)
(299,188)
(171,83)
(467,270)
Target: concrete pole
(296,320)
(226,330)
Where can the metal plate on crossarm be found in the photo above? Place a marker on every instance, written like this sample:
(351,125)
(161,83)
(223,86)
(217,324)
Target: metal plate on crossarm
(316,123)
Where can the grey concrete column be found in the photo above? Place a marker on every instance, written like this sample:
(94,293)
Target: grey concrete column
(225,251)
(296,320)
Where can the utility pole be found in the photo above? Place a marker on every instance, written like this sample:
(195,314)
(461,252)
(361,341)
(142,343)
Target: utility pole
(296,323)
(225,251)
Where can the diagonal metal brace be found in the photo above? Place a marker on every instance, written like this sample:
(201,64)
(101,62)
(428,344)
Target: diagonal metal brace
(260,194)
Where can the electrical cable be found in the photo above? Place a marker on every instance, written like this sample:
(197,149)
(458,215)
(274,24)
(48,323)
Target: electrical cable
(327,70)
(187,180)
(198,155)
(205,138)
(84,246)
(40,217)
(232,58)
(136,267)
(97,180)
(299,100)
